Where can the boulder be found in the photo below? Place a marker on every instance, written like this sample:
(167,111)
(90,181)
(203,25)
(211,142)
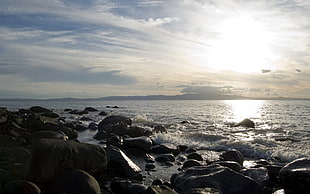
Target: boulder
(9,141)
(195,156)
(39,109)
(165,158)
(232,155)
(48,135)
(165,148)
(126,186)
(203,191)
(103,113)
(190,163)
(159,189)
(77,181)
(50,114)
(160,129)
(295,176)
(85,119)
(21,186)
(93,126)
(259,175)
(246,123)
(121,164)
(114,120)
(78,112)
(143,142)
(230,164)
(53,158)
(215,176)
(90,109)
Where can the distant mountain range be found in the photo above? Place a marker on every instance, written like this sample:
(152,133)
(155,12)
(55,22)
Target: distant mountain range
(172,97)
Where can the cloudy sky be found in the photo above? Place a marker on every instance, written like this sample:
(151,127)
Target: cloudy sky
(94,48)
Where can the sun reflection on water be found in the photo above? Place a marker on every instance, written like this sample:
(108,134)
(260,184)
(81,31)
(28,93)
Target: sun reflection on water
(241,109)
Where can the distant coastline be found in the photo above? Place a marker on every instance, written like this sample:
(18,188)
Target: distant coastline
(164,97)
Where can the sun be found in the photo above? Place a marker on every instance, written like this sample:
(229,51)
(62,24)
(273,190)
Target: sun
(243,45)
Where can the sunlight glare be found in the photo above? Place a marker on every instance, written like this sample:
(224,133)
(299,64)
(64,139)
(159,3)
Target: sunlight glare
(241,109)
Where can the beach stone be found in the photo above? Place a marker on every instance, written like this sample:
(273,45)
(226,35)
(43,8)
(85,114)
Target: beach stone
(246,123)
(182,148)
(103,113)
(21,186)
(295,176)
(90,109)
(230,164)
(39,109)
(143,142)
(202,191)
(215,176)
(160,129)
(136,188)
(159,189)
(136,131)
(195,156)
(114,120)
(48,135)
(53,158)
(232,155)
(9,141)
(85,119)
(92,126)
(165,158)
(190,163)
(77,181)
(121,163)
(50,114)
(165,148)
(14,154)
(157,182)
(259,175)
(149,166)
(273,172)
(126,186)
(78,112)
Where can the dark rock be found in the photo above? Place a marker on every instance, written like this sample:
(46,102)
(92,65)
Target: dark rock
(21,186)
(115,140)
(121,163)
(195,156)
(126,186)
(90,109)
(246,123)
(185,122)
(149,158)
(295,176)
(50,114)
(39,109)
(48,135)
(103,113)
(9,141)
(135,131)
(92,126)
(230,164)
(77,181)
(165,148)
(190,150)
(202,191)
(273,172)
(85,119)
(101,135)
(78,112)
(190,163)
(165,158)
(52,158)
(259,175)
(215,176)
(67,109)
(232,155)
(182,148)
(136,188)
(144,143)
(115,120)
(115,107)
(160,129)
(157,182)
(159,189)
(149,166)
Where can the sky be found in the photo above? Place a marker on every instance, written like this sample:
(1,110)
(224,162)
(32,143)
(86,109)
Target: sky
(97,48)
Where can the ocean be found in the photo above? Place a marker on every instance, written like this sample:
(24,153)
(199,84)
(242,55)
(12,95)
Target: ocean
(282,127)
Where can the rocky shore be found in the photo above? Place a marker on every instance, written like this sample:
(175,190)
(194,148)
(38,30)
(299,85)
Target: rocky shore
(40,153)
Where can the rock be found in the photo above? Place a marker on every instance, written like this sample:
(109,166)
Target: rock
(160,129)
(103,113)
(259,175)
(190,163)
(215,176)
(53,158)
(50,114)
(195,156)
(203,191)
(149,167)
(136,188)
(144,143)
(182,148)
(9,141)
(121,163)
(67,109)
(92,126)
(295,176)
(90,109)
(273,172)
(14,154)
(165,148)
(230,164)
(85,119)
(149,158)
(246,123)
(115,107)
(78,112)
(165,158)
(126,186)
(185,122)
(114,120)
(157,182)
(159,189)
(39,109)
(77,181)
(48,135)
(115,140)
(21,186)
(232,155)
(135,131)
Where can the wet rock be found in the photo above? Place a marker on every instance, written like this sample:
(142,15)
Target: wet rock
(53,158)
(103,113)
(14,154)
(77,181)
(144,143)
(21,186)
(121,164)
(115,140)
(92,126)
(149,158)
(136,188)
(90,109)
(185,122)
(135,131)
(295,176)
(190,163)
(165,148)
(9,141)
(157,182)
(159,189)
(50,114)
(114,120)
(165,158)
(85,119)
(230,164)
(78,112)
(160,129)
(149,167)
(203,191)
(259,175)
(215,176)
(246,123)
(195,156)
(67,109)
(232,155)
(182,148)
(39,109)
(48,135)
(126,186)
(273,172)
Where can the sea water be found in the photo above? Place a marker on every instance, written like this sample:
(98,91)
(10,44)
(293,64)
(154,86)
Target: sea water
(282,127)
